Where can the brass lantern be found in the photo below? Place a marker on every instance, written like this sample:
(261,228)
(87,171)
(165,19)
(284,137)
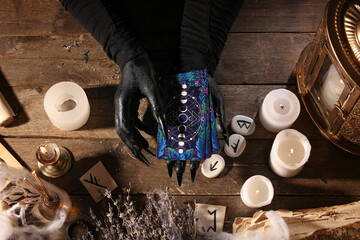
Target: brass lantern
(328,75)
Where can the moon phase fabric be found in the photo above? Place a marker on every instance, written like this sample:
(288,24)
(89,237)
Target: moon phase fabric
(190,117)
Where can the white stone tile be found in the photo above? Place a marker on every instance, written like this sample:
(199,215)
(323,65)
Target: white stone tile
(242,125)
(236,145)
(213,166)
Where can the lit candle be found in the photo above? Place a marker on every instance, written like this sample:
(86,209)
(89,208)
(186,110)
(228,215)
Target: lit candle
(47,152)
(332,87)
(257,192)
(53,160)
(289,152)
(67,106)
(279,110)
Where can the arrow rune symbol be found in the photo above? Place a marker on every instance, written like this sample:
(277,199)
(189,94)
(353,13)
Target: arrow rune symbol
(212,168)
(211,213)
(243,123)
(236,145)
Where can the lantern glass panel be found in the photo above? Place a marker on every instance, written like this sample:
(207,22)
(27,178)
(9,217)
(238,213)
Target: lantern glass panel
(327,88)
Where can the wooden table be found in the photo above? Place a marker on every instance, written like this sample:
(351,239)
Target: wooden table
(260,55)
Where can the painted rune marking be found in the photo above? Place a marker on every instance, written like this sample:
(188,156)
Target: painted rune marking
(94,181)
(236,145)
(211,213)
(212,168)
(243,123)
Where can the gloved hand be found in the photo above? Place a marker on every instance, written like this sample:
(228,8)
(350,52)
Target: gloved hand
(138,81)
(218,101)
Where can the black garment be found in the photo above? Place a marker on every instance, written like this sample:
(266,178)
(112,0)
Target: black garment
(204,30)
(107,22)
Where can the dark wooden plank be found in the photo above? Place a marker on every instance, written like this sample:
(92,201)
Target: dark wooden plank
(47,17)
(246,59)
(329,171)
(235,207)
(279,16)
(260,58)
(35,18)
(44,72)
(33,121)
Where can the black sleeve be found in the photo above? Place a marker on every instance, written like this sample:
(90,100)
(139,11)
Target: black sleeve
(204,30)
(107,22)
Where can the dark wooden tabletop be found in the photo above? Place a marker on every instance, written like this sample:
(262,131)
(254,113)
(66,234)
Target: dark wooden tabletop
(260,55)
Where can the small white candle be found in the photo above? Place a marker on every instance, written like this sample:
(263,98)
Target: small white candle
(67,106)
(47,152)
(257,192)
(332,88)
(289,152)
(279,110)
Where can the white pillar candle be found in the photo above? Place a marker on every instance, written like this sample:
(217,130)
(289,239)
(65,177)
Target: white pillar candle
(289,152)
(257,192)
(332,87)
(67,106)
(279,110)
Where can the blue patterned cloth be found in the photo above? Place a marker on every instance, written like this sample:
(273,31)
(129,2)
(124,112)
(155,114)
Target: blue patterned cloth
(190,117)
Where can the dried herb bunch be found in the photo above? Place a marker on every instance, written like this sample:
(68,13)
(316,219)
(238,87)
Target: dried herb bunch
(159,219)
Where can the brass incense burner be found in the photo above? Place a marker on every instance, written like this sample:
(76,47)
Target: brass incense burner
(328,75)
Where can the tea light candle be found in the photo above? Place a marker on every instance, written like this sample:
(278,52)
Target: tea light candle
(279,110)
(53,160)
(67,106)
(47,152)
(332,87)
(257,192)
(289,152)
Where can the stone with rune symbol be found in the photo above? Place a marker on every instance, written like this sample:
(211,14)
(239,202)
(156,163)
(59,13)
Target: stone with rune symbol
(242,125)
(210,218)
(236,145)
(213,166)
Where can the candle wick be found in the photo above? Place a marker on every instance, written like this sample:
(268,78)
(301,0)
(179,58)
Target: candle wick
(281,106)
(291,152)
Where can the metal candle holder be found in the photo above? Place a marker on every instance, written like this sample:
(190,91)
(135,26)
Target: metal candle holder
(328,75)
(54,161)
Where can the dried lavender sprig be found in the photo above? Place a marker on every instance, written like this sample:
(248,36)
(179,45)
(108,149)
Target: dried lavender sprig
(160,218)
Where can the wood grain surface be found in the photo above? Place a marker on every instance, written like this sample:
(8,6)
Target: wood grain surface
(260,55)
